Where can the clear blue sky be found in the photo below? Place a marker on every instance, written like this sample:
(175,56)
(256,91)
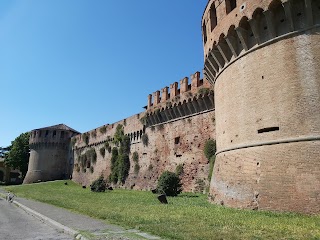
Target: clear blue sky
(87,63)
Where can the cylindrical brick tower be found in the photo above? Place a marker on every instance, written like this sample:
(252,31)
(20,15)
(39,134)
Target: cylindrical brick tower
(263,58)
(50,156)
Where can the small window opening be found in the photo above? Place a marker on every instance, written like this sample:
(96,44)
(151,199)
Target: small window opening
(230,5)
(204,31)
(269,129)
(54,133)
(62,134)
(213,17)
(177,140)
(39,133)
(47,133)
(88,164)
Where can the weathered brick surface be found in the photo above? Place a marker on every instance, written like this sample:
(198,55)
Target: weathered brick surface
(244,8)
(49,154)
(179,141)
(284,177)
(267,92)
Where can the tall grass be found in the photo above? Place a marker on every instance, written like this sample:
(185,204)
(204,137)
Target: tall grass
(188,216)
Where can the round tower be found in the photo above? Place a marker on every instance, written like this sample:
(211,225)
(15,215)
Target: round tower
(263,58)
(50,156)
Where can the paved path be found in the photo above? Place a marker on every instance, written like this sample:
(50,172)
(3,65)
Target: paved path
(73,223)
(16,224)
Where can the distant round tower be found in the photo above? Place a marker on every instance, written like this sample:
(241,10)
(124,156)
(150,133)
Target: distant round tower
(263,58)
(49,154)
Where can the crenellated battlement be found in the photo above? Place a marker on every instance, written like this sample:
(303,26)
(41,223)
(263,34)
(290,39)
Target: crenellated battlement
(233,28)
(169,94)
(54,134)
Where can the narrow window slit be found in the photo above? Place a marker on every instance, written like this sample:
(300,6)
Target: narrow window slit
(268,129)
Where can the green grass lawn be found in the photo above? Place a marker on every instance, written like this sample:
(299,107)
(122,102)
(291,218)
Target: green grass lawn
(188,216)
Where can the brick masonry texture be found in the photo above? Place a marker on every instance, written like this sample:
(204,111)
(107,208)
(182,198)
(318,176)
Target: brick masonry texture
(266,75)
(176,138)
(162,153)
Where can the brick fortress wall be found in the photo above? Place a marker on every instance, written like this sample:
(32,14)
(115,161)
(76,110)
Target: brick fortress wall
(177,122)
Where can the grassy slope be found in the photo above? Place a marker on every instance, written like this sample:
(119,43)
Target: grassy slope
(185,217)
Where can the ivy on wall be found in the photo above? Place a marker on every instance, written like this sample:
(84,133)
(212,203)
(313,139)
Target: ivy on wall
(210,153)
(120,162)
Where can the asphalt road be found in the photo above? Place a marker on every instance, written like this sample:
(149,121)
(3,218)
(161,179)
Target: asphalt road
(16,224)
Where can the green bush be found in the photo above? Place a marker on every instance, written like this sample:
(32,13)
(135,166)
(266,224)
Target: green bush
(179,169)
(169,183)
(120,162)
(124,145)
(98,185)
(118,134)
(103,129)
(143,120)
(135,157)
(108,147)
(136,168)
(94,134)
(212,160)
(210,151)
(123,167)
(86,138)
(91,155)
(204,91)
(200,186)
(83,160)
(209,148)
(102,151)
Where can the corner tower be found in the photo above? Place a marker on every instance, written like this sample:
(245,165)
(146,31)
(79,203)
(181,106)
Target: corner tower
(263,58)
(49,154)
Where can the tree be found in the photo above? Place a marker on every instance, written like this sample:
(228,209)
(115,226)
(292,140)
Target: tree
(3,151)
(18,155)
(169,183)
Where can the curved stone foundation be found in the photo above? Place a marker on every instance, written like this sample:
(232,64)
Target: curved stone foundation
(47,164)
(283,177)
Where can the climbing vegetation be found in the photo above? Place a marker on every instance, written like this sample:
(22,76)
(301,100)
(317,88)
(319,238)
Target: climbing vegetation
(120,162)
(210,151)
(179,169)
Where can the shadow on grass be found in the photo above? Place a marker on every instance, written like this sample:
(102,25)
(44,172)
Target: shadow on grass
(188,195)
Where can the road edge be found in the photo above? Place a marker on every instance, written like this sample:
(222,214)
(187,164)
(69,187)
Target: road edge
(49,221)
